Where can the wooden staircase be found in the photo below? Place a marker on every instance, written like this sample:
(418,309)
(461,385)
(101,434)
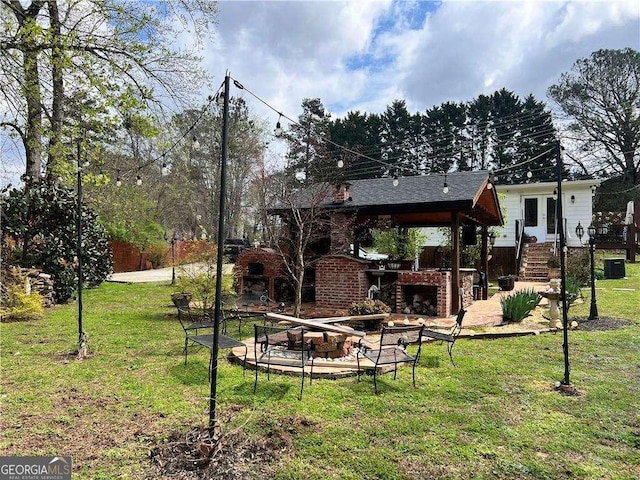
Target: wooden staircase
(533,267)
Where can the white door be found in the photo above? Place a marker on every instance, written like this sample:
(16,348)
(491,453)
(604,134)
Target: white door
(534,215)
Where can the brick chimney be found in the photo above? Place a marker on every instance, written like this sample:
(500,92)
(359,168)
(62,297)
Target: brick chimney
(341,192)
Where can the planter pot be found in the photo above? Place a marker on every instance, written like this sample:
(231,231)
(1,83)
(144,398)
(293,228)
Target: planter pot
(506,284)
(181,295)
(393,266)
(553,273)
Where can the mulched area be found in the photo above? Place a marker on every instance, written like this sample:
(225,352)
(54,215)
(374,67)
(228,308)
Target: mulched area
(191,455)
(600,324)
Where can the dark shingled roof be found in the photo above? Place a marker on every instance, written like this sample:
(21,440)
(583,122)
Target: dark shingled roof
(419,199)
(463,186)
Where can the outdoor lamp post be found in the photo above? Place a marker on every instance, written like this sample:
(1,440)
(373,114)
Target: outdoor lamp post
(580,232)
(174,238)
(492,239)
(593,312)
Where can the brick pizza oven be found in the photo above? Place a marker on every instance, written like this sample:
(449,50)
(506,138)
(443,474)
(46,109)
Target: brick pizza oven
(261,270)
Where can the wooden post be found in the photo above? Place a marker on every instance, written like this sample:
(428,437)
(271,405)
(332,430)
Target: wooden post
(455,262)
(484,262)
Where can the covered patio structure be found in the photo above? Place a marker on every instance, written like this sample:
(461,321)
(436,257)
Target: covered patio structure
(465,202)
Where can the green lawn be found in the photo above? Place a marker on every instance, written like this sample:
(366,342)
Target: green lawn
(495,415)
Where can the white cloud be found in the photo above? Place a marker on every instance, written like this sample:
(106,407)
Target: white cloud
(363,55)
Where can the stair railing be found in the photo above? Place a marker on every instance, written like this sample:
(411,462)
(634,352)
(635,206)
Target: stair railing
(519,243)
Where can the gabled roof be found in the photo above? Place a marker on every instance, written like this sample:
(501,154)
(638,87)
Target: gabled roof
(417,200)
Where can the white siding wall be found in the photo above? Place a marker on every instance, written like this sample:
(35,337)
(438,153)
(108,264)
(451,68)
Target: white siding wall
(577,211)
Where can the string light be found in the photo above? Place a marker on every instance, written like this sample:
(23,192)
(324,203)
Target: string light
(555,194)
(195,144)
(529,174)
(138,180)
(278,131)
(445,187)
(395,182)
(165,170)
(340,163)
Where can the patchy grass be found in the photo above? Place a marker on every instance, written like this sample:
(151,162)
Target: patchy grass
(495,416)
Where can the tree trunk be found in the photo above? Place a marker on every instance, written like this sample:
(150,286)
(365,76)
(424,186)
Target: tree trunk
(57,59)
(33,132)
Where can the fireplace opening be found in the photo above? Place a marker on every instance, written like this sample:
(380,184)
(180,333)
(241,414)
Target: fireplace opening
(420,300)
(255,268)
(255,286)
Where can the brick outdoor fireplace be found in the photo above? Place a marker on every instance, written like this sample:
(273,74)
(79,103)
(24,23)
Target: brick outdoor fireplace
(261,271)
(425,292)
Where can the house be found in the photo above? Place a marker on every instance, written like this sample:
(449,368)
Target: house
(530,213)
(457,201)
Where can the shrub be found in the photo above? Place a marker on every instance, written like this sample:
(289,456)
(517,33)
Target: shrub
(516,307)
(157,254)
(197,274)
(18,302)
(39,230)
(553,261)
(572,288)
(368,306)
(579,267)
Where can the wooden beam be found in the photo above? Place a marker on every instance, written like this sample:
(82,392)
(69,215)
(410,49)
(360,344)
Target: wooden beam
(316,325)
(484,262)
(455,262)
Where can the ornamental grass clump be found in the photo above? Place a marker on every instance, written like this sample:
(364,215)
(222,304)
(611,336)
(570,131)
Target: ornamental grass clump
(518,306)
(368,306)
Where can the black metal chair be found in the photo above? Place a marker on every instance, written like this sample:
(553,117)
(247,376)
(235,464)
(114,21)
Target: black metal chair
(392,350)
(450,337)
(192,324)
(285,347)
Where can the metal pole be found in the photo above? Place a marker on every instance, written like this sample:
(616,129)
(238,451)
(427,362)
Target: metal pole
(218,300)
(81,336)
(563,285)
(593,312)
(173,259)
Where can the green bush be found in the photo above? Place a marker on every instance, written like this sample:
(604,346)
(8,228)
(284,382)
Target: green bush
(18,303)
(197,275)
(553,261)
(516,307)
(39,230)
(368,306)
(579,267)
(157,254)
(572,287)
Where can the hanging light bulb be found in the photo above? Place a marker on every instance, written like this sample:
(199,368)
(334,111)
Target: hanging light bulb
(491,180)
(395,182)
(118,182)
(529,174)
(340,164)
(445,187)
(138,180)
(195,144)
(555,194)
(165,170)
(278,131)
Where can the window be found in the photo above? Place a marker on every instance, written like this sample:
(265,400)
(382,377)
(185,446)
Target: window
(530,212)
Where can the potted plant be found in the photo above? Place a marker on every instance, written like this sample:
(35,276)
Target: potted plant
(553,267)
(399,244)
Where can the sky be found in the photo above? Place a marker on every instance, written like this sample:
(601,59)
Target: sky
(362,55)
